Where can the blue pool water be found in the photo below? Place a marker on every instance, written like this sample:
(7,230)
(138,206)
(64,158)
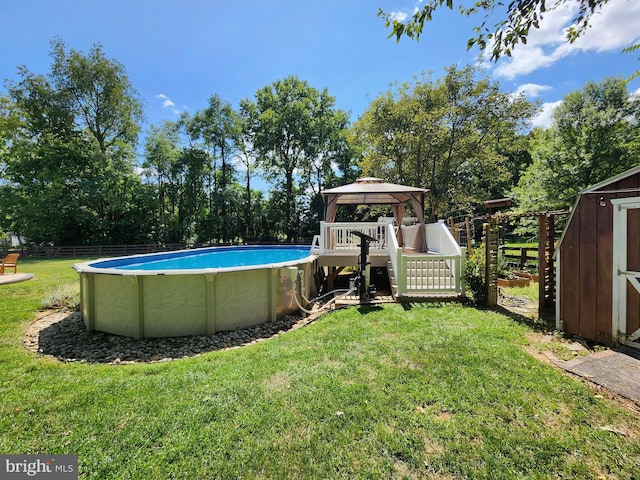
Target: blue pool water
(217,257)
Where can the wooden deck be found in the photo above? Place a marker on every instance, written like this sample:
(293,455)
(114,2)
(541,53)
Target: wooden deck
(415,276)
(355,300)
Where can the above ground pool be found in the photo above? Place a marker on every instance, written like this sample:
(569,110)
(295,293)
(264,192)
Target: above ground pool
(206,258)
(193,292)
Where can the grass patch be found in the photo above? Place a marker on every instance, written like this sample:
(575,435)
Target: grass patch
(530,293)
(395,391)
(521,245)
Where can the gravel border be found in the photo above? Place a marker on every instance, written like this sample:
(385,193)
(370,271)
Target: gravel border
(63,335)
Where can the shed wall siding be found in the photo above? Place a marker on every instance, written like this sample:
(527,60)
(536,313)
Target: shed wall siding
(604,280)
(570,276)
(586,264)
(587,272)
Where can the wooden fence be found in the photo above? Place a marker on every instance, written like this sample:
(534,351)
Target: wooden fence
(521,257)
(97,250)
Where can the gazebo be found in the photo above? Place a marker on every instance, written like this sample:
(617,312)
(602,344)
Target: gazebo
(374,191)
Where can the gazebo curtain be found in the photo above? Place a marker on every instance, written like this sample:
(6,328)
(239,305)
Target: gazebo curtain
(421,236)
(398,215)
(331,208)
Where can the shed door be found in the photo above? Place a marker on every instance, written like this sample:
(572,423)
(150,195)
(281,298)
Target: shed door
(626,270)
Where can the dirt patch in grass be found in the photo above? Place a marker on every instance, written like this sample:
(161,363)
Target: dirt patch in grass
(278,382)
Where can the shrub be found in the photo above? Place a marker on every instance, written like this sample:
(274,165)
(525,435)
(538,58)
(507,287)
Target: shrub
(63,297)
(474,276)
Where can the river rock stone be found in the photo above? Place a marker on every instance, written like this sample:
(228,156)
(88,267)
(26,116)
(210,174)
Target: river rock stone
(63,335)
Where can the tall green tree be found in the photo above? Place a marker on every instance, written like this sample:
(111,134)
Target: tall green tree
(162,154)
(68,173)
(447,135)
(190,188)
(181,173)
(248,160)
(98,94)
(217,128)
(502,28)
(594,136)
(297,133)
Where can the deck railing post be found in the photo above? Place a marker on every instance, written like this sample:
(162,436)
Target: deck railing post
(402,273)
(460,274)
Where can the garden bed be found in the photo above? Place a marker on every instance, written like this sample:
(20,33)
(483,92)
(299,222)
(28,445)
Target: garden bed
(513,282)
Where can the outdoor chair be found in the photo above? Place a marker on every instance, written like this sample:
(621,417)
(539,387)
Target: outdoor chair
(10,261)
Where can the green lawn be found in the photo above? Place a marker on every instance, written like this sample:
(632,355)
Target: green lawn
(387,392)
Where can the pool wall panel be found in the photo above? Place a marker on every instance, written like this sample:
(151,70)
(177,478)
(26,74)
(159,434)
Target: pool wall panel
(241,299)
(168,305)
(173,305)
(116,308)
(86,300)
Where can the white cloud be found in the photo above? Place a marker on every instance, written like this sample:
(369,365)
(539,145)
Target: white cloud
(532,89)
(612,28)
(544,119)
(168,103)
(399,16)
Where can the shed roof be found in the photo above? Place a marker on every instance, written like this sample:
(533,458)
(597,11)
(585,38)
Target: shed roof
(370,190)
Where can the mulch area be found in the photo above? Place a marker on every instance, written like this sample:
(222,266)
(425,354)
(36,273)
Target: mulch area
(63,335)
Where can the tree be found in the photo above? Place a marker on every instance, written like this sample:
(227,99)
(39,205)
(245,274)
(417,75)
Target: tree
(521,17)
(98,94)
(594,136)
(181,173)
(9,123)
(296,132)
(162,153)
(190,185)
(449,136)
(247,157)
(216,130)
(68,172)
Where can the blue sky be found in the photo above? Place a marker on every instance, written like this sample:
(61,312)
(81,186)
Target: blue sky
(178,53)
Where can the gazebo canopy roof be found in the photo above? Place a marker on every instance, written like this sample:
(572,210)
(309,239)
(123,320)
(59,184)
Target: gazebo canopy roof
(371,190)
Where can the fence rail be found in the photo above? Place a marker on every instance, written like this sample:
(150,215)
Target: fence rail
(339,238)
(520,257)
(97,250)
(431,274)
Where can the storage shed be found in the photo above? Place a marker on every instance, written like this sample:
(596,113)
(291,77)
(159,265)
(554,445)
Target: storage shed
(598,263)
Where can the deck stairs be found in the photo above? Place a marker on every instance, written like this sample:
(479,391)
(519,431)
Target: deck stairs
(433,281)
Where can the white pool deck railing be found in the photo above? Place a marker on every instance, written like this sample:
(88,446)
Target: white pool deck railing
(433,274)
